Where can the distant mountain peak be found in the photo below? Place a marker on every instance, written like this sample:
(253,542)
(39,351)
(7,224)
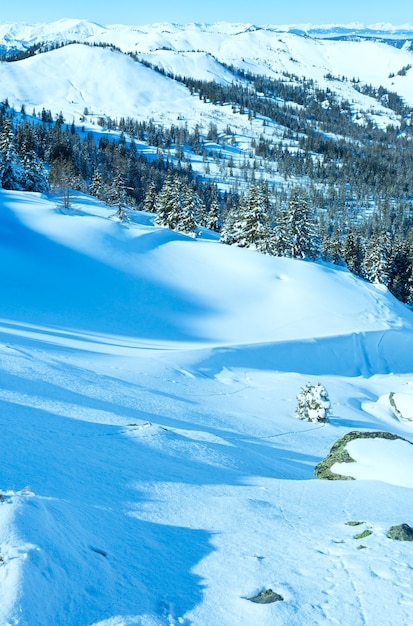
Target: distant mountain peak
(384,30)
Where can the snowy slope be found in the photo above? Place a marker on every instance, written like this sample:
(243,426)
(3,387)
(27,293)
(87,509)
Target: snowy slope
(152,469)
(287,299)
(189,50)
(75,77)
(17,36)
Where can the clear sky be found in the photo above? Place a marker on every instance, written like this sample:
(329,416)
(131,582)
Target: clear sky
(183,11)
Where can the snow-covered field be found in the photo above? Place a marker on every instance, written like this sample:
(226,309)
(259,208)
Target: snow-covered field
(152,470)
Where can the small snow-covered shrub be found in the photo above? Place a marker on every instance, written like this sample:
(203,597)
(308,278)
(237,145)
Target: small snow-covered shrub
(313,403)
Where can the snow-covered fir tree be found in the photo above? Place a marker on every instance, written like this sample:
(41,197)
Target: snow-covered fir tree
(376,266)
(35,176)
(175,205)
(253,225)
(313,403)
(12,174)
(352,250)
(116,194)
(299,229)
(149,200)
(213,217)
(97,186)
(332,247)
(200,211)
(250,228)
(165,202)
(186,222)
(280,234)
(401,269)
(229,226)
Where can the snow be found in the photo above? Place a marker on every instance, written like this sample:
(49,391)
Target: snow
(404,404)
(110,83)
(22,36)
(198,64)
(61,81)
(379,459)
(152,470)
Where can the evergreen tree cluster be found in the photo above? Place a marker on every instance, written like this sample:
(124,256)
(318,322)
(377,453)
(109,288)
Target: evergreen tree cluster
(378,248)
(37,154)
(20,165)
(334,148)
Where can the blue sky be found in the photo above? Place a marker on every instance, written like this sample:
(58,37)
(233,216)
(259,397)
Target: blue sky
(264,12)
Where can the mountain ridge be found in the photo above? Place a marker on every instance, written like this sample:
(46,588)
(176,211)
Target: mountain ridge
(18,35)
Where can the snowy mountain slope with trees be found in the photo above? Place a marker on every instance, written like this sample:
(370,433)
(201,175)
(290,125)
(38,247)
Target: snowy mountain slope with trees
(228,145)
(188,271)
(153,471)
(165,400)
(260,50)
(194,52)
(114,85)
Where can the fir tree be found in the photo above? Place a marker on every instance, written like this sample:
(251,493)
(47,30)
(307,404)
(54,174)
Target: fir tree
(280,234)
(186,218)
(199,210)
(229,226)
(352,252)
(34,173)
(175,205)
(301,236)
(400,269)
(166,203)
(212,220)
(97,186)
(255,219)
(11,169)
(332,247)
(376,265)
(313,403)
(149,200)
(251,228)
(116,195)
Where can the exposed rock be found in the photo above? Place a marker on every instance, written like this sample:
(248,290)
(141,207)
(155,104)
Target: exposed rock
(266,597)
(403,410)
(339,454)
(402,532)
(365,533)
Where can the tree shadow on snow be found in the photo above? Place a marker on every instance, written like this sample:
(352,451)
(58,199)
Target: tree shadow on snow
(91,554)
(53,285)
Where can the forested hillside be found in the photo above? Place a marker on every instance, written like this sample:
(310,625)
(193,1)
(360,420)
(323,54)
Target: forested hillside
(317,168)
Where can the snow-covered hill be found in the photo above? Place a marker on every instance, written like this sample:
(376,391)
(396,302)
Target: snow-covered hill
(152,470)
(20,36)
(104,81)
(57,78)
